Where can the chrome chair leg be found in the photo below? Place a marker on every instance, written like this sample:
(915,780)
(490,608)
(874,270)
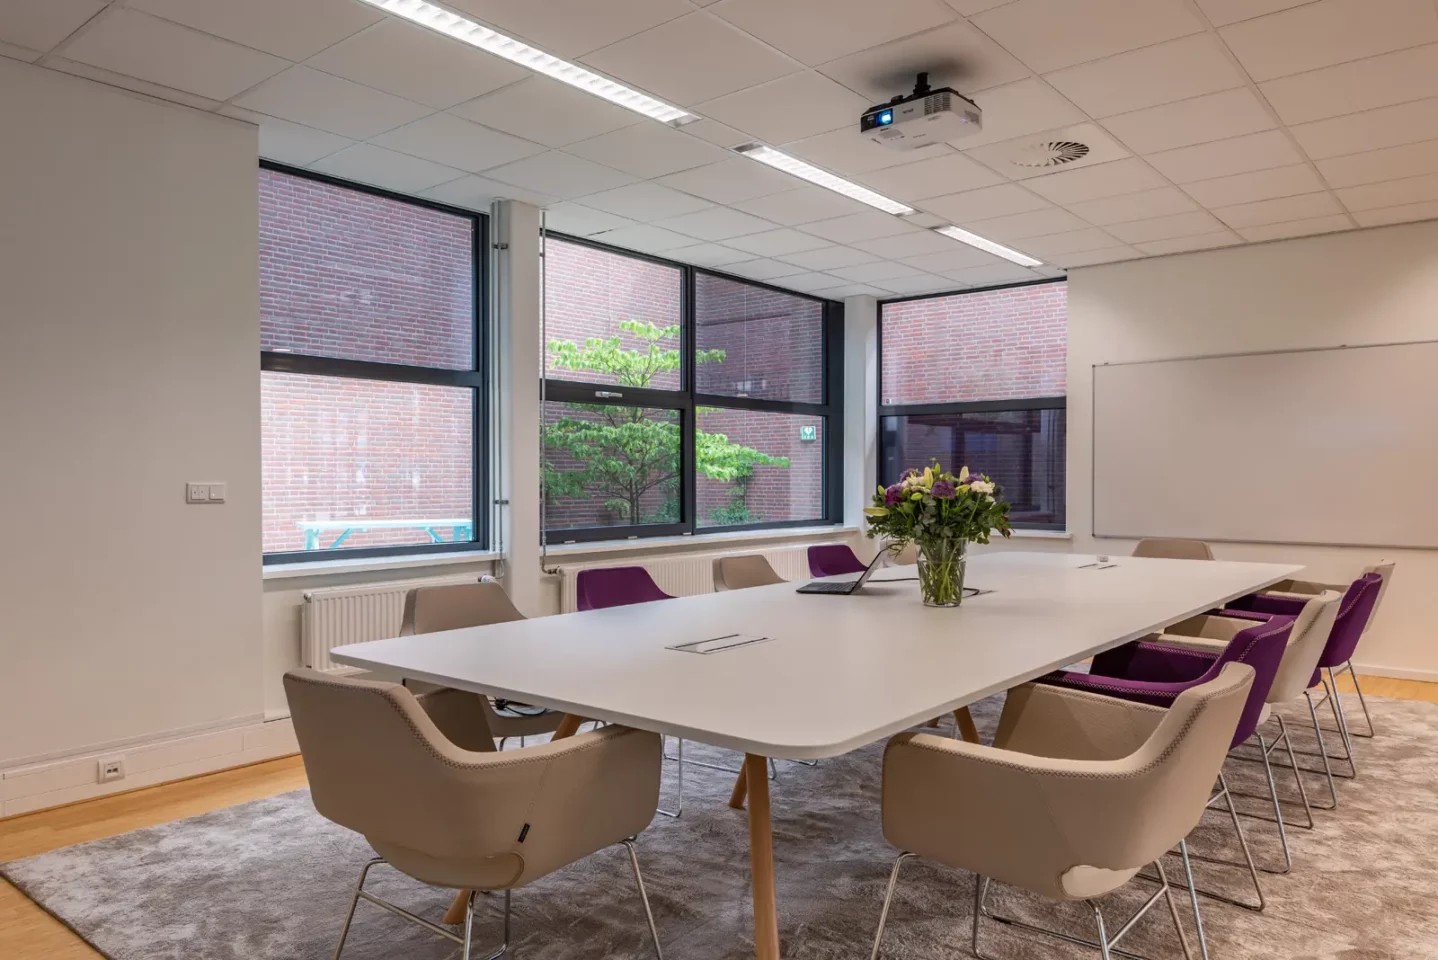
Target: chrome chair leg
(1223,794)
(1297,774)
(1336,702)
(1277,808)
(678,810)
(643,896)
(888,899)
(469,923)
(1362,701)
(354,902)
(1193,899)
(773,767)
(465,942)
(1105,944)
(1102,933)
(1322,752)
(1173,910)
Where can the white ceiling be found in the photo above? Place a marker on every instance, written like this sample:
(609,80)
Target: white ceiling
(1211,122)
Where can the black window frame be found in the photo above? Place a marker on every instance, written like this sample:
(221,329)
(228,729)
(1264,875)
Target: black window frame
(686,401)
(887,410)
(476,379)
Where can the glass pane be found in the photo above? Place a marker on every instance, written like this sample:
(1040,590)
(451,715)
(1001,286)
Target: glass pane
(755,342)
(352,275)
(364,463)
(611,318)
(993,345)
(610,466)
(1022,450)
(759,467)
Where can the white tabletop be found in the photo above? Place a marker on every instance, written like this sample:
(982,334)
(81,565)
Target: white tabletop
(839,671)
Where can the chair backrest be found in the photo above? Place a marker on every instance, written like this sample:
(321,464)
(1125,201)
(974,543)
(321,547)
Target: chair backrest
(1354,612)
(1311,629)
(1173,549)
(1260,647)
(741,572)
(596,588)
(456,606)
(830,559)
(1384,568)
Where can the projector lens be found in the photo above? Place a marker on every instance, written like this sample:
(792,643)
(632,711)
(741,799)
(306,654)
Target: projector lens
(886,118)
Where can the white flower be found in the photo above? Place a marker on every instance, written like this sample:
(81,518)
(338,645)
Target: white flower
(981,486)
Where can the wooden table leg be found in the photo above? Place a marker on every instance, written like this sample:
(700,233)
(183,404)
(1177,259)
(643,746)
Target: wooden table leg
(568,727)
(965,722)
(741,787)
(761,860)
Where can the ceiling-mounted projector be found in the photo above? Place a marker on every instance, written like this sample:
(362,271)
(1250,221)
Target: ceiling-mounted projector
(921,118)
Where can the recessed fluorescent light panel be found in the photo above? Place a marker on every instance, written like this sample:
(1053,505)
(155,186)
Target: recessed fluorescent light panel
(988,246)
(823,178)
(490,41)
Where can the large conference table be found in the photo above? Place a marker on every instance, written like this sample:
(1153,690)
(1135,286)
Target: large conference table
(831,674)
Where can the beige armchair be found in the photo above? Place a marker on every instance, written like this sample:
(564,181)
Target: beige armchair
(742,572)
(454,607)
(1173,549)
(378,764)
(1078,793)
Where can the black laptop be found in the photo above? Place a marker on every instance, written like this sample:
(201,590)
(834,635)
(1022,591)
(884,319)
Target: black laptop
(844,587)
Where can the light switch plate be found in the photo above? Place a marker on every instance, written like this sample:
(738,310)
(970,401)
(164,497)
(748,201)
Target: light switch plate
(197,493)
(217,493)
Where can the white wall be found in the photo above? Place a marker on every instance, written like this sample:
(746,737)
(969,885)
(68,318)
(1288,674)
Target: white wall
(129,305)
(1369,286)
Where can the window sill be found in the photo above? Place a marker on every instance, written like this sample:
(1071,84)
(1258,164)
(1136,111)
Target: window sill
(697,543)
(1042,534)
(324,568)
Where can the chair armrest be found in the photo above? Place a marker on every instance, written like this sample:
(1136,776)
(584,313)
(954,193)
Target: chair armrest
(1140,691)
(1203,644)
(1212,626)
(463,717)
(1062,722)
(1151,662)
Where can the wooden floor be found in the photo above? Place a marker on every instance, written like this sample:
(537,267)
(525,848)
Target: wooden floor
(29,933)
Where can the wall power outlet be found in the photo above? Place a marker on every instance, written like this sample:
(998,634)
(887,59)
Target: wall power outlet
(110,768)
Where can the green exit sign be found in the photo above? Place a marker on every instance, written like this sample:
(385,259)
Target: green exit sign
(808,434)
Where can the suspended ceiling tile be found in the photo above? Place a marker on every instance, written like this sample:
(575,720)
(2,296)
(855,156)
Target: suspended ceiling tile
(956,55)
(1372,130)
(815,31)
(295,144)
(1404,214)
(790,108)
(648,150)
(871,272)
(315,99)
(1166,228)
(1205,241)
(1331,31)
(1144,205)
(764,269)
(1392,163)
(571,28)
(581,221)
(1017,109)
(1163,73)
(867,225)
(1088,258)
(716,223)
(418,64)
(1215,116)
(1296,228)
(559,175)
(547,111)
(829,258)
(844,291)
(281,27)
(1303,207)
(1052,34)
(1129,175)
(732,180)
(1074,241)
(39,26)
(1034,224)
(149,48)
(645,202)
(646,238)
(804,205)
(1222,158)
(993,274)
(1221,12)
(920,283)
(934,177)
(710,255)
(987,202)
(906,245)
(477,193)
(366,163)
(960,256)
(1258,185)
(849,153)
(450,140)
(1390,193)
(772,243)
(1354,87)
(692,59)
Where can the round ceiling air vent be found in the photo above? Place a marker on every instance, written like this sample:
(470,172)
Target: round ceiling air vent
(1050,153)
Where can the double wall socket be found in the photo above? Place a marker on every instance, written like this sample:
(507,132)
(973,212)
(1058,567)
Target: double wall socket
(110,768)
(204,493)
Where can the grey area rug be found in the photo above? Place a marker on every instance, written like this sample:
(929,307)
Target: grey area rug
(270,880)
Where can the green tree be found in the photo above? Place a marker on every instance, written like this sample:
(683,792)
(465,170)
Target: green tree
(621,453)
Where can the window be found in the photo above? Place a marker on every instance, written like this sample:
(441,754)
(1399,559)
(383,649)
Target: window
(681,402)
(371,390)
(978,380)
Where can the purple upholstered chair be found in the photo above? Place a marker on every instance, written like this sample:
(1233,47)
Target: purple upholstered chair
(831,559)
(599,587)
(1354,612)
(1156,673)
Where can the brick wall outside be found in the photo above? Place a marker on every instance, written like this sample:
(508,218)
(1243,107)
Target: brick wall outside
(992,345)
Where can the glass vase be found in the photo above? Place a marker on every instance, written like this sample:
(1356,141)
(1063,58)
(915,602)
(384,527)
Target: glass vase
(941,572)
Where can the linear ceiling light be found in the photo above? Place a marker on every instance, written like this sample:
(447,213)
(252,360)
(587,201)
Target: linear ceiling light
(823,178)
(490,41)
(988,246)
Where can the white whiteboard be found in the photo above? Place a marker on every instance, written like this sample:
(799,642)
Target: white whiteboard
(1335,446)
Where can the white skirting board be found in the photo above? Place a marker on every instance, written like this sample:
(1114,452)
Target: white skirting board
(1396,673)
(58,782)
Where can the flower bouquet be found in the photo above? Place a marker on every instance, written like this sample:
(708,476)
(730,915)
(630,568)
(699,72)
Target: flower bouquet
(941,514)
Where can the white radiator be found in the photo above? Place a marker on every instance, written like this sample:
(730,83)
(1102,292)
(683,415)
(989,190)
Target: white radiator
(686,575)
(339,615)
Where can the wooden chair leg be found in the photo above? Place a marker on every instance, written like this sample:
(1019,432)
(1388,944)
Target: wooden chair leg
(568,727)
(965,721)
